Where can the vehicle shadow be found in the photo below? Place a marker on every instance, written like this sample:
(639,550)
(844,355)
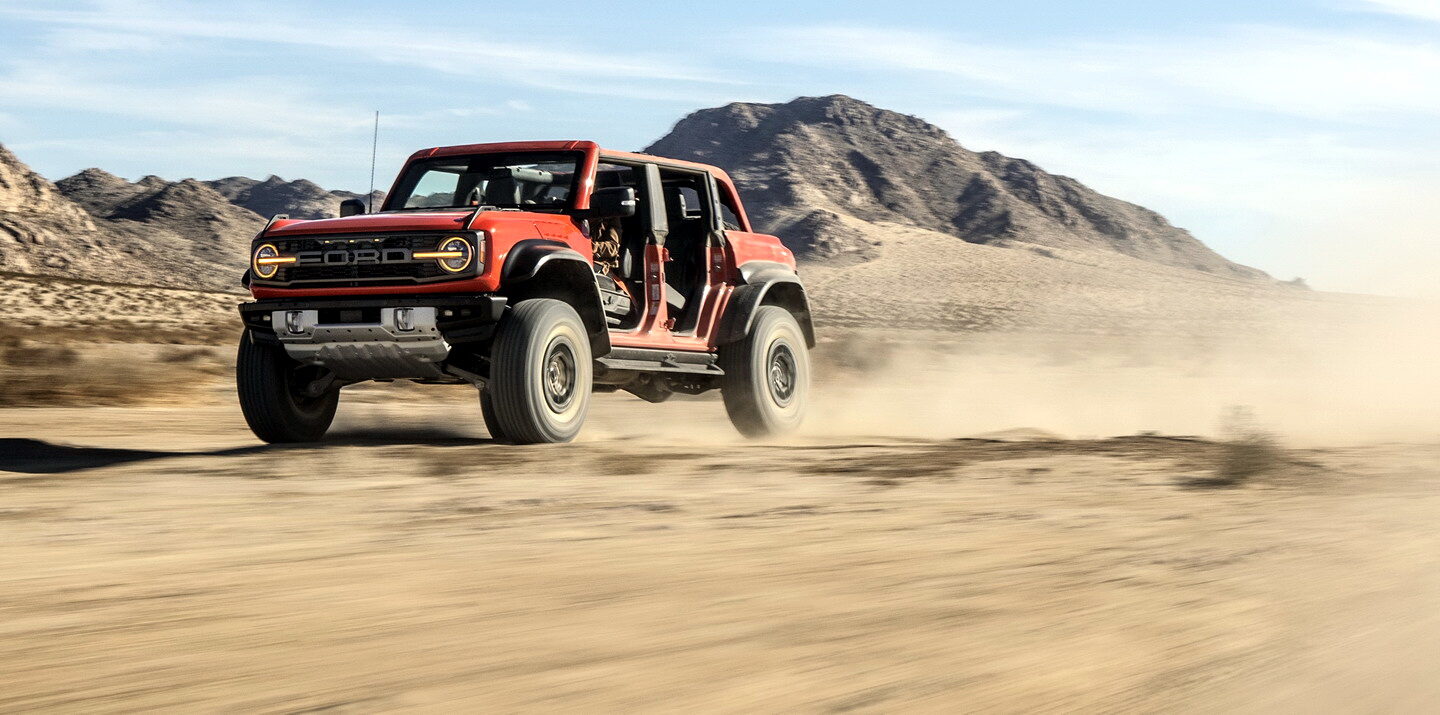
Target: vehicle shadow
(34,456)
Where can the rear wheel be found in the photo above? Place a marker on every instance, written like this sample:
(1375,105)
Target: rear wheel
(540,373)
(767,375)
(275,394)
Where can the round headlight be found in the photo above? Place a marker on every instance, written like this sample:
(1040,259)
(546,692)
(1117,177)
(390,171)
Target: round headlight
(263,263)
(454,254)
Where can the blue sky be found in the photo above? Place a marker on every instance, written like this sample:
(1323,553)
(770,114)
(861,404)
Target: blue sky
(1298,136)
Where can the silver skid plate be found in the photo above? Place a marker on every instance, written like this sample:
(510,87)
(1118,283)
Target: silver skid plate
(363,351)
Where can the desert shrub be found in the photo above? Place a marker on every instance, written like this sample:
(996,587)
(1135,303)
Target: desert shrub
(26,354)
(57,375)
(1247,450)
(184,355)
(98,383)
(225,333)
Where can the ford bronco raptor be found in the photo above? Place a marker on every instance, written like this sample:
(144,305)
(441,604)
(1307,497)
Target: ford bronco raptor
(538,272)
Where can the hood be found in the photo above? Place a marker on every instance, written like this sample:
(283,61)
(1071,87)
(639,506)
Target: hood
(366,223)
(407,221)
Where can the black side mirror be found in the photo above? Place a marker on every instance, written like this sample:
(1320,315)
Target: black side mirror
(613,202)
(352,207)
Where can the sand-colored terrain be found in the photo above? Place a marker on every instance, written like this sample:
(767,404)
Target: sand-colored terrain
(156,557)
(74,310)
(924,279)
(160,559)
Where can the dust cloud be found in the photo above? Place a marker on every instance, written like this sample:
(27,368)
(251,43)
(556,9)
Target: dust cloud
(1350,381)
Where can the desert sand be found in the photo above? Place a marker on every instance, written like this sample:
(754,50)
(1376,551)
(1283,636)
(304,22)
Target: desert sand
(972,521)
(158,558)
(1029,503)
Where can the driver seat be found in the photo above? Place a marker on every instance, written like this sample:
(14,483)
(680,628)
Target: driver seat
(502,191)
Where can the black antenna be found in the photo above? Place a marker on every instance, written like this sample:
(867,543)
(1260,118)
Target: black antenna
(374,149)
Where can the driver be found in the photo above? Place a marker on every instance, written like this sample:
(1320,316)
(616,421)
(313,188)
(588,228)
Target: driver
(605,240)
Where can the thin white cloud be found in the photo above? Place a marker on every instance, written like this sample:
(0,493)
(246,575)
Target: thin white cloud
(428,118)
(1259,172)
(969,123)
(1279,70)
(1418,9)
(232,105)
(468,54)
(84,39)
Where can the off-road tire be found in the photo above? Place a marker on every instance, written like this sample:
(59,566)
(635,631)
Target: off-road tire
(540,372)
(492,421)
(767,375)
(269,382)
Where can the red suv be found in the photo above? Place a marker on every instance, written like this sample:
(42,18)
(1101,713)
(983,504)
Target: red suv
(538,272)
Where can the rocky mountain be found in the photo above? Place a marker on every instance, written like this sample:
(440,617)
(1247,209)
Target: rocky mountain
(298,199)
(40,230)
(187,234)
(816,170)
(100,227)
(183,218)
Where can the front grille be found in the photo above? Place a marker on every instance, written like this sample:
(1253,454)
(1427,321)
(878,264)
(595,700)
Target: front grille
(365,274)
(401,272)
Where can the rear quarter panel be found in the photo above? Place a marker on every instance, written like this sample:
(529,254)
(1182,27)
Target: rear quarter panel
(746,247)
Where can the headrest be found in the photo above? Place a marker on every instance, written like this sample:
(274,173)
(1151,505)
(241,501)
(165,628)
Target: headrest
(675,204)
(502,191)
(606,179)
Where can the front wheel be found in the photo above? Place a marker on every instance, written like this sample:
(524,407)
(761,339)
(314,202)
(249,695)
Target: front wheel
(492,419)
(540,373)
(767,375)
(275,397)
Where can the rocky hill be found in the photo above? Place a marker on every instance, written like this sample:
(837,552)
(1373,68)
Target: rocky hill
(40,230)
(820,171)
(183,234)
(298,199)
(187,207)
(44,233)
(96,226)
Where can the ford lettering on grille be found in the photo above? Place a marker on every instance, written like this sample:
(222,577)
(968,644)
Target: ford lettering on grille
(354,257)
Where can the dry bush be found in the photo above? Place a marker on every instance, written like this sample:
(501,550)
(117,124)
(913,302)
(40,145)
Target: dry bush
(185,355)
(41,375)
(25,354)
(195,362)
(224,334)
(1247,450)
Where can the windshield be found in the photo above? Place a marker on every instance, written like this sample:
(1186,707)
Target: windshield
(534,181)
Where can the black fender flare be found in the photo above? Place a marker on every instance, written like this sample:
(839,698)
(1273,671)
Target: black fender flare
(526,258)
(541,268)
(766,283)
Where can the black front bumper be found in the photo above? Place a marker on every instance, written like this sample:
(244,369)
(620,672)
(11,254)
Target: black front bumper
(462,318)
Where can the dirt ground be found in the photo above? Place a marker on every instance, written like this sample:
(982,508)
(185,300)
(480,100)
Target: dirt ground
(159,558)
